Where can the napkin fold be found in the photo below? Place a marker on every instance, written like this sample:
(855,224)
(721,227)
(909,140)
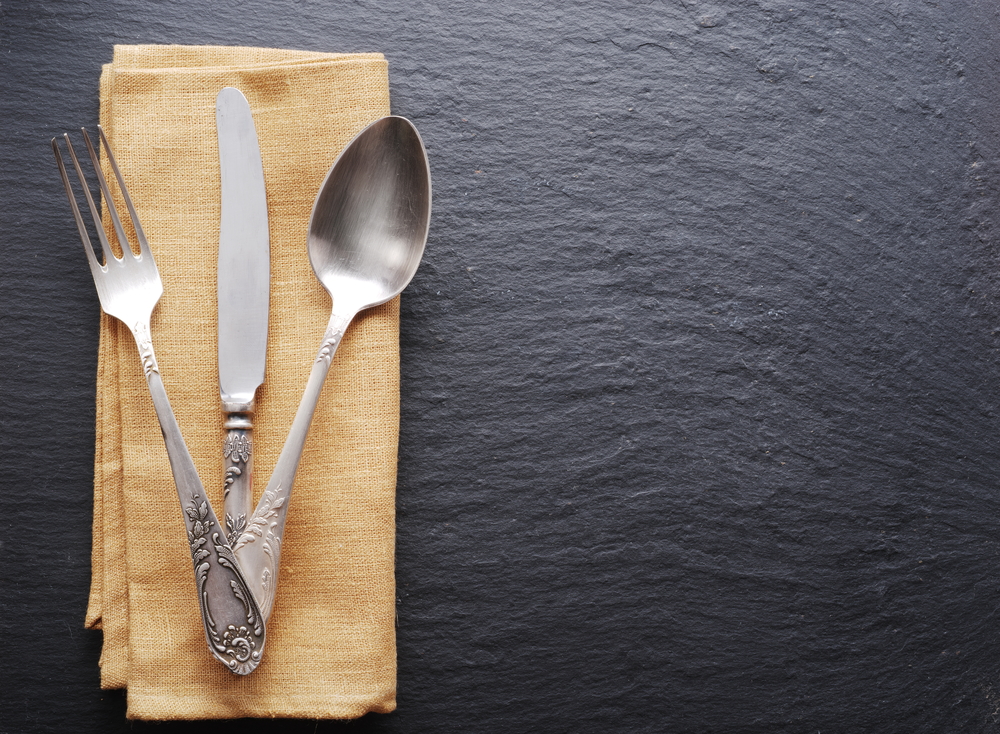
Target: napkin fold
(330,650)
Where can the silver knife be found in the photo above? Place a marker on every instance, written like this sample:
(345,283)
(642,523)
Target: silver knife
(244,277)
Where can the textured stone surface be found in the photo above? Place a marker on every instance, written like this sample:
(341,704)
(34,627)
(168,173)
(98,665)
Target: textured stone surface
(699,409)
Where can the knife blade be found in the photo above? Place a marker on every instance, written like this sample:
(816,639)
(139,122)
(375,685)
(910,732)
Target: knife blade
(244,276)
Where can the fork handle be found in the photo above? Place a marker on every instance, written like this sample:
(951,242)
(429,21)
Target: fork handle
(234,626)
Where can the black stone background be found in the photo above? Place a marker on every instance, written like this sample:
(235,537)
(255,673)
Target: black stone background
(699,371)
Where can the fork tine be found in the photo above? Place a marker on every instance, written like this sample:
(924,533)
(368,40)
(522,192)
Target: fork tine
(95,264)
(94,212)
(139,234)
(106,191)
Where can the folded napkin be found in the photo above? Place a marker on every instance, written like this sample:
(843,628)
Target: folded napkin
(330,650)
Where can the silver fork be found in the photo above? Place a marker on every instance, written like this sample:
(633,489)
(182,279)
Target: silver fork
(129,287)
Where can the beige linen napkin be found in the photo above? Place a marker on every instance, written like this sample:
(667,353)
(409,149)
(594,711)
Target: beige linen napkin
(330,650)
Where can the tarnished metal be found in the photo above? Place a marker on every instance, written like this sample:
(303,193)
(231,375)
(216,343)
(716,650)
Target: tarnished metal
(366,237)
(244,278)
(129,288)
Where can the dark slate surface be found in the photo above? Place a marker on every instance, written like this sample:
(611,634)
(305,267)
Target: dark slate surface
(699,399)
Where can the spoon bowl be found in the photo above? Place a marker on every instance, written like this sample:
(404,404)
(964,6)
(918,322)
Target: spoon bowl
(370,220)
(366,237)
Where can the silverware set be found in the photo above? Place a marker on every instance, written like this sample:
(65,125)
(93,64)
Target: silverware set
(366,237)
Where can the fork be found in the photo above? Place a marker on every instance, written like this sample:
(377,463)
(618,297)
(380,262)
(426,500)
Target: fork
(129,288)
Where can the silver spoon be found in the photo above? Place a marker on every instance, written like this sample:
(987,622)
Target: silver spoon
(366,237)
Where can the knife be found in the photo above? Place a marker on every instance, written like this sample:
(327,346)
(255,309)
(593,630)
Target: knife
(244,291)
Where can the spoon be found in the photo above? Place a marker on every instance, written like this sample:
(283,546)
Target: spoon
(366,237)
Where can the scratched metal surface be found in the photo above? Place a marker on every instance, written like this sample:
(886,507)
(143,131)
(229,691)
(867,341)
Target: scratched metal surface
(699,426)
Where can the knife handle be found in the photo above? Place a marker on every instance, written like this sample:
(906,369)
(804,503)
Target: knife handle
(237,449)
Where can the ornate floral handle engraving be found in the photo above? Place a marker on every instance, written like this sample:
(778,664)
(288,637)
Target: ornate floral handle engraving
(237,448)
(240,643)
(331,340)
(231,616)
(145,344)
(264,529)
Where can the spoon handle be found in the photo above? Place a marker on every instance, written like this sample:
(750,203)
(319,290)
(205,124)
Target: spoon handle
(258,549)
